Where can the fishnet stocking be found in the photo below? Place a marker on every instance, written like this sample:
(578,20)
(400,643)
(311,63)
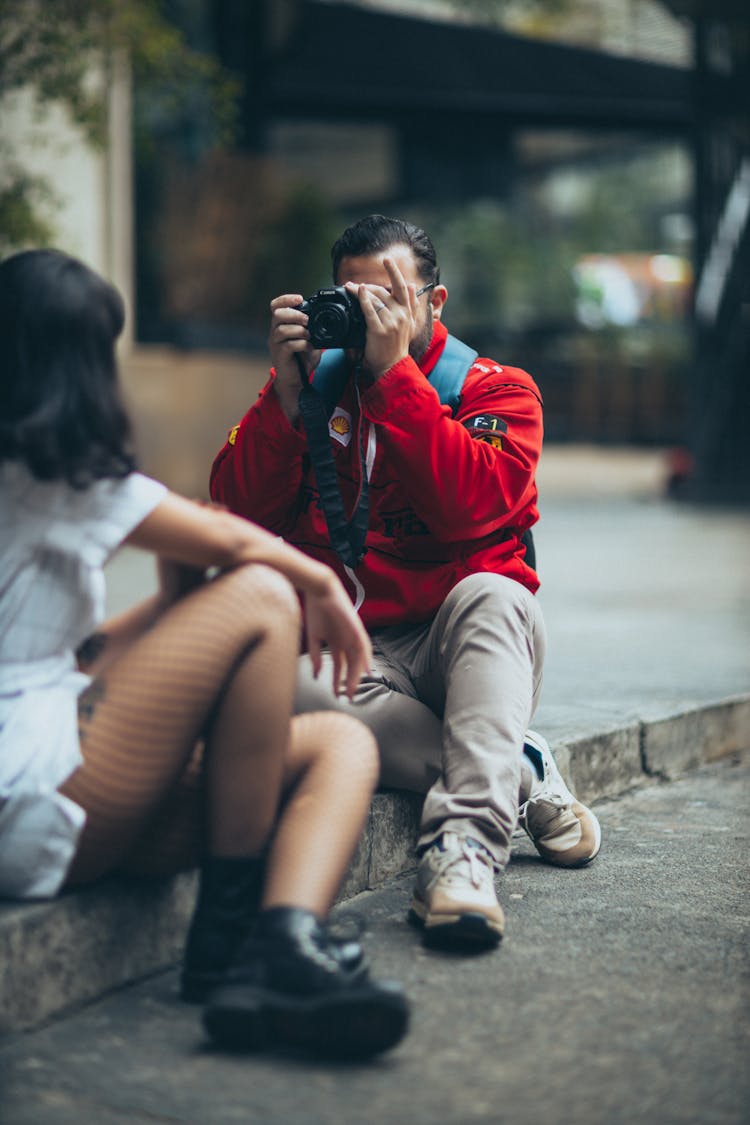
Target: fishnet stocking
(219,663)
(331,773)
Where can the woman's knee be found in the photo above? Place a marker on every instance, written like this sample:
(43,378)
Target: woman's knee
(258,592)
(340,743)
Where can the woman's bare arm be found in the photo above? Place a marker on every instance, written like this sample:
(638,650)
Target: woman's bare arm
(198,536)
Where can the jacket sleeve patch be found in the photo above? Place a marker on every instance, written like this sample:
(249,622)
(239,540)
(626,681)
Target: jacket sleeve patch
(232,436)
(487,427)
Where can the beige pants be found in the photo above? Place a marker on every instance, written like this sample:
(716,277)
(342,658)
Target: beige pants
(449,703)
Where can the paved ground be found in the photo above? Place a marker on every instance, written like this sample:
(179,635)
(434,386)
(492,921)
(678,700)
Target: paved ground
(621,992)
(619,995)
(647,607)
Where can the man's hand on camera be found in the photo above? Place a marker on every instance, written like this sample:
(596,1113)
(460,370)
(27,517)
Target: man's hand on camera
(287,339)
(390,317)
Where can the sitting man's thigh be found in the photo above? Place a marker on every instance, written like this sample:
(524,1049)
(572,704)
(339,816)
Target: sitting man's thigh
(408,733)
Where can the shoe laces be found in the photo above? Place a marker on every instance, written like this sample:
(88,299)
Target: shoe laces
(450,864)
(547,813)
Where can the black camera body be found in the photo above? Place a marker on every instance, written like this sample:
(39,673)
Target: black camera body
(335,319)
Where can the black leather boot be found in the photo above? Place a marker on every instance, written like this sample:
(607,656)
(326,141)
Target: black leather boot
(228,898)
(290,987)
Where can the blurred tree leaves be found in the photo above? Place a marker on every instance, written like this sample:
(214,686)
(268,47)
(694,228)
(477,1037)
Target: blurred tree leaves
(65,53)
(530,15)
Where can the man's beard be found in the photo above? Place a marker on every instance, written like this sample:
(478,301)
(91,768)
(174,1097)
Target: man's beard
(421,341)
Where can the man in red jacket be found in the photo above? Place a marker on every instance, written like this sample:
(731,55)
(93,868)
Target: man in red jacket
(441,573)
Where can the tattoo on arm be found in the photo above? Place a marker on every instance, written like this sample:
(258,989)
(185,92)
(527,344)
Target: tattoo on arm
(91,649)
(87,704)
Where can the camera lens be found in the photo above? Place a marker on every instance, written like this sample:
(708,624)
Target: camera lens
(329,323)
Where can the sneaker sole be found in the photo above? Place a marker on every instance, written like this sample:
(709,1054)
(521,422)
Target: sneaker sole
(467,930)
(354,1024)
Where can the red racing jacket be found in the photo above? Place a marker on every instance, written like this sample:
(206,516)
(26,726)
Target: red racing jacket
(450,495)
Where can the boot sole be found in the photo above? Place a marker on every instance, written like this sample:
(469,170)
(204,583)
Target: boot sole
(355,1023)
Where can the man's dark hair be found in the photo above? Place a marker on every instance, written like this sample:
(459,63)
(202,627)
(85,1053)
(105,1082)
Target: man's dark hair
(60,408)
(377,233)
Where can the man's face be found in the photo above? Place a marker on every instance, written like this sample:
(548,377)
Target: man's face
(369,270)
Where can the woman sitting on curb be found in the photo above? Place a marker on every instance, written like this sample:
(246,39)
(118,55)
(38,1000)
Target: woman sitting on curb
(170,742)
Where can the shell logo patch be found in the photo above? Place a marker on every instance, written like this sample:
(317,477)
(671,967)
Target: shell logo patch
(232,438)
(493,439)
(340,426)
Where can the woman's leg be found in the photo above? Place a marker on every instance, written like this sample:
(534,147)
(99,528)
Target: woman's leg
(290,983)
(330,775)
(219,663)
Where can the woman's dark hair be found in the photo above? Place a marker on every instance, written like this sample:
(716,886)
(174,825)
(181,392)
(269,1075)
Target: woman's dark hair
(60,407)
(377,233)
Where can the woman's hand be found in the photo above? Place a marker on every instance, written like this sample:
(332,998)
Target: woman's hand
(331,619)
(201,537)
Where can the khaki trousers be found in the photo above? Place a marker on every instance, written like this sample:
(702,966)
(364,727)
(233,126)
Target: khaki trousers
(449,702)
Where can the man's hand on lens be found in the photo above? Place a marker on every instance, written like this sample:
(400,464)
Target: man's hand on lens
(287,339)
(390,317)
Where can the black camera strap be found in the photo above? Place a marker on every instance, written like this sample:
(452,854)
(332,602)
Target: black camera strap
(347,534)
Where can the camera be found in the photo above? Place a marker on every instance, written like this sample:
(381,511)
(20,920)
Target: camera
(335,319)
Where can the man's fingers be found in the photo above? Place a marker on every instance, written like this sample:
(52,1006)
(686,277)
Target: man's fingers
(289,317)
(286,301)
(399,288)
(290,334)
(371,305)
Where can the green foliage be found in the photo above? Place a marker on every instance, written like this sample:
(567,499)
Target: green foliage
(507,270)
(510,265)
(20,219)
(65,51)
(295,246)
(527,16)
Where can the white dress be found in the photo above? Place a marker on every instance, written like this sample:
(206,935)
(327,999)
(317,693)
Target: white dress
(54,542)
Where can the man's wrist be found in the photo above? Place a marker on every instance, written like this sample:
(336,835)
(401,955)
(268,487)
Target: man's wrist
(288,399)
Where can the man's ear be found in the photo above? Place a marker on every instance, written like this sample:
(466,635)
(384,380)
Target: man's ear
(438,297)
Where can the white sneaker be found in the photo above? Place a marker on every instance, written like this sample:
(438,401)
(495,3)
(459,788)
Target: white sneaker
(563,831)
(454,897)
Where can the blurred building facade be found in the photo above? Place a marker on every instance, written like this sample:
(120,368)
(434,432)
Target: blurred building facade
(89,200)
(579,165)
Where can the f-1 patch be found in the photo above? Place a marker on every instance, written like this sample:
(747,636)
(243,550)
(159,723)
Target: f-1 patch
(487,427)
(340,426)
(232,438)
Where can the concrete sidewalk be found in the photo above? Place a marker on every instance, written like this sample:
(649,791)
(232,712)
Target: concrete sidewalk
(619,995)
(648,673)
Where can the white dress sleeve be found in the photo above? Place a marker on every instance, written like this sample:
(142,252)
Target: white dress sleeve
(104,514)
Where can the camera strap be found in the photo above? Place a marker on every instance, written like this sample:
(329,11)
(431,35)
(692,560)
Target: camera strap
(347,534)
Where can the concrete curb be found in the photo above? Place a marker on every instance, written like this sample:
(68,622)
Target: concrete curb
(56,956)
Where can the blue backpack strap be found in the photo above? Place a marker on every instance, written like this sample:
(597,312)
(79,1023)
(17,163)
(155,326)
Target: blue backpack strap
(330,376)
(448,374)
